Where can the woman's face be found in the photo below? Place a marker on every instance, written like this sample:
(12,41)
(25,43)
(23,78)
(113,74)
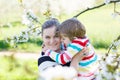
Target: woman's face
(50,39)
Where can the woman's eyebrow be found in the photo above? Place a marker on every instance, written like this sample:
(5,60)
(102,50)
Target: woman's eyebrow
(47,36)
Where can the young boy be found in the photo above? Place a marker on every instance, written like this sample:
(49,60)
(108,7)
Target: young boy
(73,36)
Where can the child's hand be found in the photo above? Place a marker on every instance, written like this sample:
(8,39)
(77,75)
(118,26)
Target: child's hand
(84,51)
(44,48)
(81,54)
(78,57)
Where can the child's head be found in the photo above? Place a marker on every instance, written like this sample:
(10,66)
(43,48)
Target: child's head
(72,28)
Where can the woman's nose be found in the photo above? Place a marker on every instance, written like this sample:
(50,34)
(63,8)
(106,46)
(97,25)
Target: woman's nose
(52,41)
(62,40)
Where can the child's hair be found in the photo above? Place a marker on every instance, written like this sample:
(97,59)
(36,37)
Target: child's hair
(72,28)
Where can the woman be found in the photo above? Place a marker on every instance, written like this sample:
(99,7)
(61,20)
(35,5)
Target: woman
(51,40)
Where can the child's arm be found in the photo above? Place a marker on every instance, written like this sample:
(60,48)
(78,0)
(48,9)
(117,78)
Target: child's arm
(66,56)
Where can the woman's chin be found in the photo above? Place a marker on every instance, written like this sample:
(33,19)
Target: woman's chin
(56,49)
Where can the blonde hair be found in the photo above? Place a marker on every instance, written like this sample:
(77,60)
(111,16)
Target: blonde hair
(72,28)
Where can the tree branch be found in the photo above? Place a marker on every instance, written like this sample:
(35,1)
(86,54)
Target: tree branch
(88,9)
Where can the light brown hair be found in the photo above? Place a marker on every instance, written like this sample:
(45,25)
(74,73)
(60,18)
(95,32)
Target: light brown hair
(72,28)
(50,23)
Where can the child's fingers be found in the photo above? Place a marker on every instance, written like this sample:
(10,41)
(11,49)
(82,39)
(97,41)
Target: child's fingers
(43,45)
(85,51)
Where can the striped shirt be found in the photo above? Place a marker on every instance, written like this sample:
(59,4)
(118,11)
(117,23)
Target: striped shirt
(87,66)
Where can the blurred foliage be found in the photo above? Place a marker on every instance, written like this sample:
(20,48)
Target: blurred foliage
(4,45)
(33,45)
(17,69)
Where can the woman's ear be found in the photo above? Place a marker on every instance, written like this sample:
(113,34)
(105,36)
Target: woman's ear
(41,36)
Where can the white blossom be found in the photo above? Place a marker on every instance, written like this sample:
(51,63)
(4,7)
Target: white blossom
(29,17)
(103,65)
(16,38)
(110,58)
(107,1)
(59,72)
(114,50)
(114,15)
(37,32)
(99,77)
(12,43)
(117,77)
(31,26)
(116,43)
(24,37)
(109,76)
(25,20)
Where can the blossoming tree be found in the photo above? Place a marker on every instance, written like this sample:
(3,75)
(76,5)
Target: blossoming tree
(109,62)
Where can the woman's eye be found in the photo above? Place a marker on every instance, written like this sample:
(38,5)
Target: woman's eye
(56,36)
(47,37)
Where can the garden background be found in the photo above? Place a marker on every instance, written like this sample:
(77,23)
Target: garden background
(20,63)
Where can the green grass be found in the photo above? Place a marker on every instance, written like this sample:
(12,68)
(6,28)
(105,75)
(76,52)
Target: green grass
(7,31)
(18,69)
(33,45)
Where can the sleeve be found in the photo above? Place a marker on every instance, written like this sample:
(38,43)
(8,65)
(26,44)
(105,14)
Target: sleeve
(65,56)
(62,46)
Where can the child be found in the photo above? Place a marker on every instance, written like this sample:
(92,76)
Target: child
(73,36)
